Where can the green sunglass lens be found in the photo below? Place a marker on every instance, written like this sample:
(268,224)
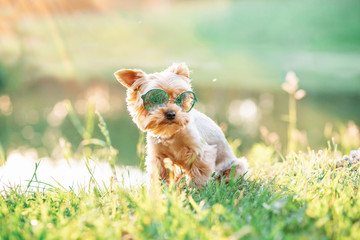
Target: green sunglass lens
(155,98)
(186,101)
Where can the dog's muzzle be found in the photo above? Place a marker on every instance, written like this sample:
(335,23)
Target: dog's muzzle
(170,115)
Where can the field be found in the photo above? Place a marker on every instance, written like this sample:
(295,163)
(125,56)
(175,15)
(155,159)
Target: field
(303,195)
(306,195)
(63,117)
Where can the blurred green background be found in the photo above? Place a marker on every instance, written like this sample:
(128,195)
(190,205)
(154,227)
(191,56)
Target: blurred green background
(238,51)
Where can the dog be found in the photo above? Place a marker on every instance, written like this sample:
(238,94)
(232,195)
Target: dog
(161,104)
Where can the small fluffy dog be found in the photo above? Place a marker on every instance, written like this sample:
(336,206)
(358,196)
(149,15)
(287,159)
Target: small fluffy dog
(161,104)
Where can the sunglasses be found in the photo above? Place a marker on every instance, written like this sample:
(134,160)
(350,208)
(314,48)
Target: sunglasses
(159,98)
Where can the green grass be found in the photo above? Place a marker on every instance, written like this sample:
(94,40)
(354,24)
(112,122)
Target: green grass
(248,44)
(303,196)
(300,196)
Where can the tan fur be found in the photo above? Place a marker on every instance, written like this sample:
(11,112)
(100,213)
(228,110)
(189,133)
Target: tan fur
(191,141)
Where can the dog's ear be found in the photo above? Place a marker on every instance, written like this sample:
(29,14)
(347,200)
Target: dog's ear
(127,77)
(180,69)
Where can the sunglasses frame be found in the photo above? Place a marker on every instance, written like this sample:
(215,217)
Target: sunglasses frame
(168,99)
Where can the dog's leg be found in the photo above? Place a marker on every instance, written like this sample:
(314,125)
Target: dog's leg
(239,166)
(156,169)
(203,166)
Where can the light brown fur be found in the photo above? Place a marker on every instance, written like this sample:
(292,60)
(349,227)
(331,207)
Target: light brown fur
(198,149)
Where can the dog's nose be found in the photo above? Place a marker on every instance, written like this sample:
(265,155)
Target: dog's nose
(170,115)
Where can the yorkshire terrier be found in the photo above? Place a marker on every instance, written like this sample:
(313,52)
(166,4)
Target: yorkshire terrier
(161,104)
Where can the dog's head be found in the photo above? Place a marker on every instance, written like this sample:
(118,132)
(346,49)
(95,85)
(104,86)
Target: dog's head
(147,96)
